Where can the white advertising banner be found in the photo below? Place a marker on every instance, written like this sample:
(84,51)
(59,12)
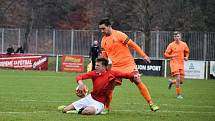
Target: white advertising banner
(212,68)
(194,69)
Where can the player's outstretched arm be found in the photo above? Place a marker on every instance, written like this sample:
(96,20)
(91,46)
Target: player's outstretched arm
(137,48)
(80,84)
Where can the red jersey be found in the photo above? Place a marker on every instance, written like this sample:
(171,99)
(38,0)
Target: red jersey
(103,83)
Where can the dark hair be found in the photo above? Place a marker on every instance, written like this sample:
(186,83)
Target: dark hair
(103,60)
(176,32)
(105,21)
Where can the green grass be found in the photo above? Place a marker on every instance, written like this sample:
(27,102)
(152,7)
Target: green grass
(35,96)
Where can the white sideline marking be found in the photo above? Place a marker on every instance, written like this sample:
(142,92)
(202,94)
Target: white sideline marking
(26,112)
(165,111)
(38,76)
(44,101)
(196,106)
(139,111)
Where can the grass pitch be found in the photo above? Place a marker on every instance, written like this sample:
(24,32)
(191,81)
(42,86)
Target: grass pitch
(35,96)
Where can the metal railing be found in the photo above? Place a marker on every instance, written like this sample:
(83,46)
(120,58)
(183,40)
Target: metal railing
(78,42)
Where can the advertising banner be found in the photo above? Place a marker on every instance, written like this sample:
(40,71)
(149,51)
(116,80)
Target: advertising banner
(194,69)
(154,68)
(212,68)
(24,61)
(72,63)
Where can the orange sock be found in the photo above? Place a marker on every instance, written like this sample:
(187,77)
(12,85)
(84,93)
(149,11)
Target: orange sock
(144,92)
(178,91)
(109,100)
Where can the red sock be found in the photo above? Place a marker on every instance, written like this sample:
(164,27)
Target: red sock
(109,100)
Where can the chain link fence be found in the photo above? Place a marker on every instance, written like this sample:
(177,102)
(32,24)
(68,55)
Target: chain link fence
(78,42)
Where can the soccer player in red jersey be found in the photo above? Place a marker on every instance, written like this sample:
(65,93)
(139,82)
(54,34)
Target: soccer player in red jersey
(115,46)
(177,51)
(104,81)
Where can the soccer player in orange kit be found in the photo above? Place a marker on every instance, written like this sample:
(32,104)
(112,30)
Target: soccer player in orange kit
(115,46)
(177,51)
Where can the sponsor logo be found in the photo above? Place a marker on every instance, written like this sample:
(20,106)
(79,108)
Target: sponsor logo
(6,63)
(72,59)
(149,67)
(191,66)
(40,61)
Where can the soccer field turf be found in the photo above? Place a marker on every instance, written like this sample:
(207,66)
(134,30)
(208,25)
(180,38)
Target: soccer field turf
(35,96)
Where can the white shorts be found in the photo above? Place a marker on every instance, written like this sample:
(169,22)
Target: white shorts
(88,101)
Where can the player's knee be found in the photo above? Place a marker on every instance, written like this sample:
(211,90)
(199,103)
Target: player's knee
(177,85)
(136,81)
(88,112)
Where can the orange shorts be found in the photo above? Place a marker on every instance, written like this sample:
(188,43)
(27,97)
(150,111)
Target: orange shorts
(178,72)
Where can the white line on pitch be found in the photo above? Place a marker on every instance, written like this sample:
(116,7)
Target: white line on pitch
(200,106)
(165,111)
(44,101)
(66,101)
(26,112)
(139,111)
(196,106)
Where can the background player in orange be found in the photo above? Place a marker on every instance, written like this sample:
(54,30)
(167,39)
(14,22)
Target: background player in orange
(177,51)
(115,46)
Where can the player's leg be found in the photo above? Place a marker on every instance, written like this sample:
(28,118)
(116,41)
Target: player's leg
(174,71)
(93,107)
(117,82)
(76,106)
(181,76)
(144,92)
(178,88)
(173,81)
(90,110)
(109,100)
(68,108)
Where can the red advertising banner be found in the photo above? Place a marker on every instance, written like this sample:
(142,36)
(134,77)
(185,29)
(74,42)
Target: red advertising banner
(72,63)
(24,61)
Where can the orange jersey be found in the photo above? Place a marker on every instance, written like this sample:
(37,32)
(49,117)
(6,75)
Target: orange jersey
(116,47)
(181,50)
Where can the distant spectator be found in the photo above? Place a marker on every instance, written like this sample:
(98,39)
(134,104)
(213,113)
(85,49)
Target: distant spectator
(10,49)
(94,53)
(19,50)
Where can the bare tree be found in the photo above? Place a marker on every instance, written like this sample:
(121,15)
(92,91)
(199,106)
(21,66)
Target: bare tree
(132,15)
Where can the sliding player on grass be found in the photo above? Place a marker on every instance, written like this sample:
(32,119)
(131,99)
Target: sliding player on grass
(104,81)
